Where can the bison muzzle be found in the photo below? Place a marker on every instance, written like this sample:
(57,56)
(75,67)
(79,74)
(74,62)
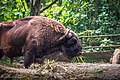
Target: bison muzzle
(34,37)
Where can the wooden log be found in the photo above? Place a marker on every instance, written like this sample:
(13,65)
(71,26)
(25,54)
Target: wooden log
(63,71)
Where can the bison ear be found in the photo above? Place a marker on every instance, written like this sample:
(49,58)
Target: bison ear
(67,35)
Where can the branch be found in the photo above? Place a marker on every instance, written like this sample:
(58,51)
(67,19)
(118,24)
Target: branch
(48,6)
(28,3)
(64,71)
(101,46)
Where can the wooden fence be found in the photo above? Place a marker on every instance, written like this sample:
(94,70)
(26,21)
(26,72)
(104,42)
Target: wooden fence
(100,36)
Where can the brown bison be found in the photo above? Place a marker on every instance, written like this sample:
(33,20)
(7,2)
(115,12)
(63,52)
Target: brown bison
(36,36)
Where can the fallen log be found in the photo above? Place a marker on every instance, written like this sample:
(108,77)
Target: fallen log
(63,71)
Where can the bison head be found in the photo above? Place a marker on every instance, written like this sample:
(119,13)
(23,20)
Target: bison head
(71,44)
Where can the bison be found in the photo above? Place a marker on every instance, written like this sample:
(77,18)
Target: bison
(34,37)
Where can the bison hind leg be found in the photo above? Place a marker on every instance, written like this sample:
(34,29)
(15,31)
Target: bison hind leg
(11,60)
(1,54)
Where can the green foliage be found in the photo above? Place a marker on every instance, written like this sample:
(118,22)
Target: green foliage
(6,61)
(12,9)
(99,16)
(78,59)
(85,15)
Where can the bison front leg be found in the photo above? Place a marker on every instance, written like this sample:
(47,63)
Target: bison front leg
(29,50)
(29,58)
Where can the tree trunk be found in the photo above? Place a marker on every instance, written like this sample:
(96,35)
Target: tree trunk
(63,71)
(116,57)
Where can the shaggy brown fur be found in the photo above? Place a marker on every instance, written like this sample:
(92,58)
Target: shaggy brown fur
(36,36)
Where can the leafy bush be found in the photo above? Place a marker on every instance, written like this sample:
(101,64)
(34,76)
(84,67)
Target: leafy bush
(12,9)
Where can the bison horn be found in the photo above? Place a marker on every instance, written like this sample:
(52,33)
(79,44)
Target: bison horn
(66,36)
(69,35)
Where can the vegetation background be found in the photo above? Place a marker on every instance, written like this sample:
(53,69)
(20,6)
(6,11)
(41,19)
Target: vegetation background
(85,17)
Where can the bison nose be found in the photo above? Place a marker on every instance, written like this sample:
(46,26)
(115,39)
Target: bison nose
(80,52)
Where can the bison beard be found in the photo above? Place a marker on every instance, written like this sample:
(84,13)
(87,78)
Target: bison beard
(35,37)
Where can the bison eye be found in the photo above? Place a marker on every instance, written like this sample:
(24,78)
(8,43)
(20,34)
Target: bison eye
(71,43)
